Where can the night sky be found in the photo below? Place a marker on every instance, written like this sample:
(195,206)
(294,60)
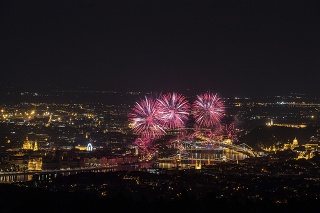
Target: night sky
(244,48)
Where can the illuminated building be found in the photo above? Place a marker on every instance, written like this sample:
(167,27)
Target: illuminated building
(315,146)
(295,143)
(89,147)
(27,144)
(292,145)
(292,125)
(270,123)
(35,164)
(35,147)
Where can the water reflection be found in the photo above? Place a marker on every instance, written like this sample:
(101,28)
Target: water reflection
(49,175)
(196,158)
(12,178)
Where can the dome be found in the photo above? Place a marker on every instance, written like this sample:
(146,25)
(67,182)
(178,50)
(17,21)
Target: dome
(295,141)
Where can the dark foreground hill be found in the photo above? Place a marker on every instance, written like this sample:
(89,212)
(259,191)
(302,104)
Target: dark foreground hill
(145,192)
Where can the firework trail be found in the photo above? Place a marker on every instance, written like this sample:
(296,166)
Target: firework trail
(144,119)
(208,110)
(173,110)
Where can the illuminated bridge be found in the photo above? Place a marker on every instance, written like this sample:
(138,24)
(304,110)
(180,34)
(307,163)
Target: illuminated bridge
(12,177)
(195,153)
(216,145)
(241,148)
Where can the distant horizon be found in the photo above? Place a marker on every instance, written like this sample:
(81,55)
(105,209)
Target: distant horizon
(5,87)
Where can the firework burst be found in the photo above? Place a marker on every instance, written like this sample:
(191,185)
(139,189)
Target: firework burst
(144,119)
(208,110)
(173,110)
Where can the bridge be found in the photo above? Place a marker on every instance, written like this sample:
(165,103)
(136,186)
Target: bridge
(19,176)
(45,175)
(215,145)
(196,153)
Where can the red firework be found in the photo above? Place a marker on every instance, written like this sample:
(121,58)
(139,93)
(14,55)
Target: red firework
(173,110)
(208,110)
(144,119)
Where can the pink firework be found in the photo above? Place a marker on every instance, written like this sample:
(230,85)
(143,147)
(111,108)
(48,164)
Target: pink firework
(144,119)
(146,148)
(173,110)
(208,110)
(231,132)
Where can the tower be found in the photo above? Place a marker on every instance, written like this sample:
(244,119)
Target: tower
(35,147)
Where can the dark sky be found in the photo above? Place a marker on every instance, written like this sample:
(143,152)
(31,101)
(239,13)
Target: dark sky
(248,48)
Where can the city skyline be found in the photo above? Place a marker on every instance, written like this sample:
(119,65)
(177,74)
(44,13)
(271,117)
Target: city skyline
(233,48)
(184,105)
